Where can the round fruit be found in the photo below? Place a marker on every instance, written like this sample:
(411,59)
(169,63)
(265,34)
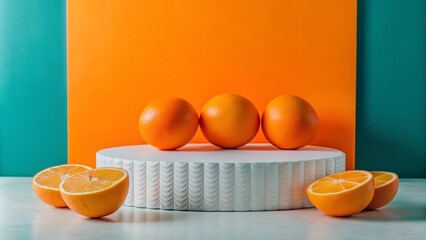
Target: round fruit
(342,194)
(96,193)
(289,122)
(168,123)
(229,120)
(386,186)
(46,183)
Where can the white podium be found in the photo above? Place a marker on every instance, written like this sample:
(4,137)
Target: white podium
(202,177)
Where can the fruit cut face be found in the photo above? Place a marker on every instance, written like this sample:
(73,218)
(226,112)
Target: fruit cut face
(338,183)
(342,194)
(52,177)
(92,181)
(382,178)
(96,193)
(386,187)
(46,183)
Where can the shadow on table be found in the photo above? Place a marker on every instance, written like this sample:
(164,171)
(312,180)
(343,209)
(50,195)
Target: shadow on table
(136,215)
(411,213)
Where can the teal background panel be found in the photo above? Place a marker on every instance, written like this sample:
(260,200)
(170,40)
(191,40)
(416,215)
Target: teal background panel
(391,86)
(33,107)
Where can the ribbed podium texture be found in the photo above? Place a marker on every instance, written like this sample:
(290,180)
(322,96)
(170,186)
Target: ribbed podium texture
(203,178)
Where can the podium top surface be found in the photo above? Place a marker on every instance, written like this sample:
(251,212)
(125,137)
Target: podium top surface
(207,153)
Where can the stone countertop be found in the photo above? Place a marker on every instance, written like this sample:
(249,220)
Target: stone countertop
(23,216)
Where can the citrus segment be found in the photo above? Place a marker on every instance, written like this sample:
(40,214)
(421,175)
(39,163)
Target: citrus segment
(386,188)
(342,194)
(46,183)
(96,193)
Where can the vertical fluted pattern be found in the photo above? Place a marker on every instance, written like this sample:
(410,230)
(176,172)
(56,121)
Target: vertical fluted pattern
(108,162)
(286,185)
(257,186)
(117,163)
(226,187)
(166,185)
(340,163)
(272,201)
(100,161)
(196,186)
(298,185)
(128,166)
(139,184)
(211,186)
(319,169)
(181,185)
(242,186)
(152,184)
(221,186)
(329,166)
(309,177)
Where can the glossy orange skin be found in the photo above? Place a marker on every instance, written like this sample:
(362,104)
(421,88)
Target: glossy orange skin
(229,120)
(289,122)
(51,195)
(168,123)
(384,194)
(344,204)
(98,204)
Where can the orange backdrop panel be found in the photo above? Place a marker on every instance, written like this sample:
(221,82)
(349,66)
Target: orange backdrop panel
(123,54)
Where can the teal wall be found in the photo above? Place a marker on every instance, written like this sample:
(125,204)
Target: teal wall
(391,88)
(33,120)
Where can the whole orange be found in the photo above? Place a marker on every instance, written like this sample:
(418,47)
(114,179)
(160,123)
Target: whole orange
(229,120)
(168,123)
(289,122)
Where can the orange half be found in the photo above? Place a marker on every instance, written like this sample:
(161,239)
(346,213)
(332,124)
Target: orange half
(386,187)
(342,194)
(46,183)
(96,193)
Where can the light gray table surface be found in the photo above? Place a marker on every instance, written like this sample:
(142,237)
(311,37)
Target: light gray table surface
(23,216)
